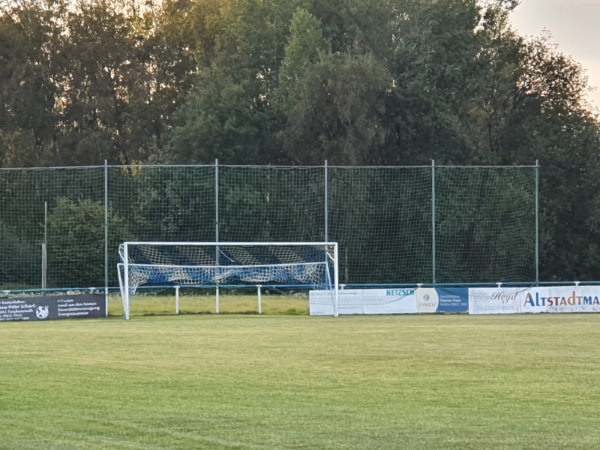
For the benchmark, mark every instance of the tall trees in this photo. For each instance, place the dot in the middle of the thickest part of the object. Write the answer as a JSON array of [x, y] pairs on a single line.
[[96, 81], [436, 67], [338, 114], [27, 93], [352, 81], [230, 110], [333, 102], [221, 121], [376, 82], [92, 81]]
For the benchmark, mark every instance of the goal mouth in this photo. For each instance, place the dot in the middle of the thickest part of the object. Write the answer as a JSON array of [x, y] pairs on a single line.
[[313, 265]]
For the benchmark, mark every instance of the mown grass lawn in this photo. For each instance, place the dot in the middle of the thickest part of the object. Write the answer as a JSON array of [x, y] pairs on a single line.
[[299, 382]]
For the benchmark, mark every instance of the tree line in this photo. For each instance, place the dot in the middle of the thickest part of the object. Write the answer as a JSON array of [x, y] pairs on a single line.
[[353, 82]]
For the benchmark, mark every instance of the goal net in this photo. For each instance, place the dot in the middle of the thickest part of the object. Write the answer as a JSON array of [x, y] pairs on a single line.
[[228, 264]]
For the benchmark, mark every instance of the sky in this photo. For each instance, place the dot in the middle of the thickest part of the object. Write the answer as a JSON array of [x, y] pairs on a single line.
[[574, 26]]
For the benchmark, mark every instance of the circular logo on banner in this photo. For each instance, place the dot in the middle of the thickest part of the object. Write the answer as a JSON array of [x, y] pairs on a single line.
[[41, 312], [427, 300]]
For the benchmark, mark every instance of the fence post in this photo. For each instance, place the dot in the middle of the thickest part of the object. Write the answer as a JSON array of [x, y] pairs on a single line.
[[106, 235], [45, 249], [326, 236], [537, 224], [217, 229], [217, 202], [433, 274]]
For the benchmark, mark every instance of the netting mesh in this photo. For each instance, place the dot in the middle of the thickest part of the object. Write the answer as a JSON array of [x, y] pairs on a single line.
[[485, 224], [482, 228], [265, 204], [162, 203], [63, 208], [196, 264], [381, 218]]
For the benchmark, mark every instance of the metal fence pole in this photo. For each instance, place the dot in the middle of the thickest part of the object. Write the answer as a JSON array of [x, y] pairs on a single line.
[[326, 236], [106, 235], [433, 274], [45, 249], [217, 228], [537, 221], [217, 201]]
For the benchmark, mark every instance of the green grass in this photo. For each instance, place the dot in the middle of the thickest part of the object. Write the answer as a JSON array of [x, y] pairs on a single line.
[[163, 303], [300, 382]]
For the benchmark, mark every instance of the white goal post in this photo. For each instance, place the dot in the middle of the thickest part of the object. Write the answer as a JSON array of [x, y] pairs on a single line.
[[228, 264]]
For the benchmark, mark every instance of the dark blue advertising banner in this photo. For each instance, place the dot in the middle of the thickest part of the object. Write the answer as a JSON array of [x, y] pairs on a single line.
[[442, 300], [453, 300], [52, 307]]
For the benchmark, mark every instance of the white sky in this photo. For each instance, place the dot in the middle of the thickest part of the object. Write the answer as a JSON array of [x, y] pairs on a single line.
[[574, 25]]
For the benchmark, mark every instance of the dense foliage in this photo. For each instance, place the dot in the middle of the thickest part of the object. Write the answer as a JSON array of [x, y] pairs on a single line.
[[356, 82]]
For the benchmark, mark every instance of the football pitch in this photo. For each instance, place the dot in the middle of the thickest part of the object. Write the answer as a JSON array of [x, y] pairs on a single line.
[[235, 381]]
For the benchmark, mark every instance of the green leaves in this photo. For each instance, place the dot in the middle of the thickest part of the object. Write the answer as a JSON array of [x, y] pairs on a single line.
[[358, 82], [338, 113], [219, 121]]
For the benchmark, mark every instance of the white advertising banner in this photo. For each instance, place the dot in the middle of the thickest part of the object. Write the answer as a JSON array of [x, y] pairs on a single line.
[[364, 301], [543, 299]]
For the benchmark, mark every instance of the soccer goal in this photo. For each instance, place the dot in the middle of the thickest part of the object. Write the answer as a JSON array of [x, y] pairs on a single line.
[[312, 265]]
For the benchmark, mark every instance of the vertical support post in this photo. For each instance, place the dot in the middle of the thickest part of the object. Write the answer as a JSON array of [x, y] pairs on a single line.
[[259, 288], [44, 266], [346, 266], [326, 180], [537, 222], [336, 267], [106, 236], [125, 292], [217, 203], [433, 231], [217, 228], [336, 280], [217, 300], [45, 249], [176, 299]]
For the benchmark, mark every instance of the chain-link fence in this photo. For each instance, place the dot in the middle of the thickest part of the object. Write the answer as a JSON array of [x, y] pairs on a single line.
[[61, 227]]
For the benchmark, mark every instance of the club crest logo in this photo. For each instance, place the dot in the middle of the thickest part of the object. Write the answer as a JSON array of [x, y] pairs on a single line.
[[41, 312]]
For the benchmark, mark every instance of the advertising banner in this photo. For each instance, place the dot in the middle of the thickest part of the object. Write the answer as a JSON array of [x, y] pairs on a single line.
[[543, 299], [52, 307], [442, 300], [364, 301]]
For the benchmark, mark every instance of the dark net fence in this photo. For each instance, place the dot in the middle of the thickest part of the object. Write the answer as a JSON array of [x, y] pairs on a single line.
[[62, 226]]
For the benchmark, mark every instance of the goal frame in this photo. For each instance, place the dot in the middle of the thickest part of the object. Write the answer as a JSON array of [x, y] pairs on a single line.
[[124, 285]]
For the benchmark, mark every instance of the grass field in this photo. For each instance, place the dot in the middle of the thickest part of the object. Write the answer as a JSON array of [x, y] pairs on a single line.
[[163, 303], [237, 381]]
